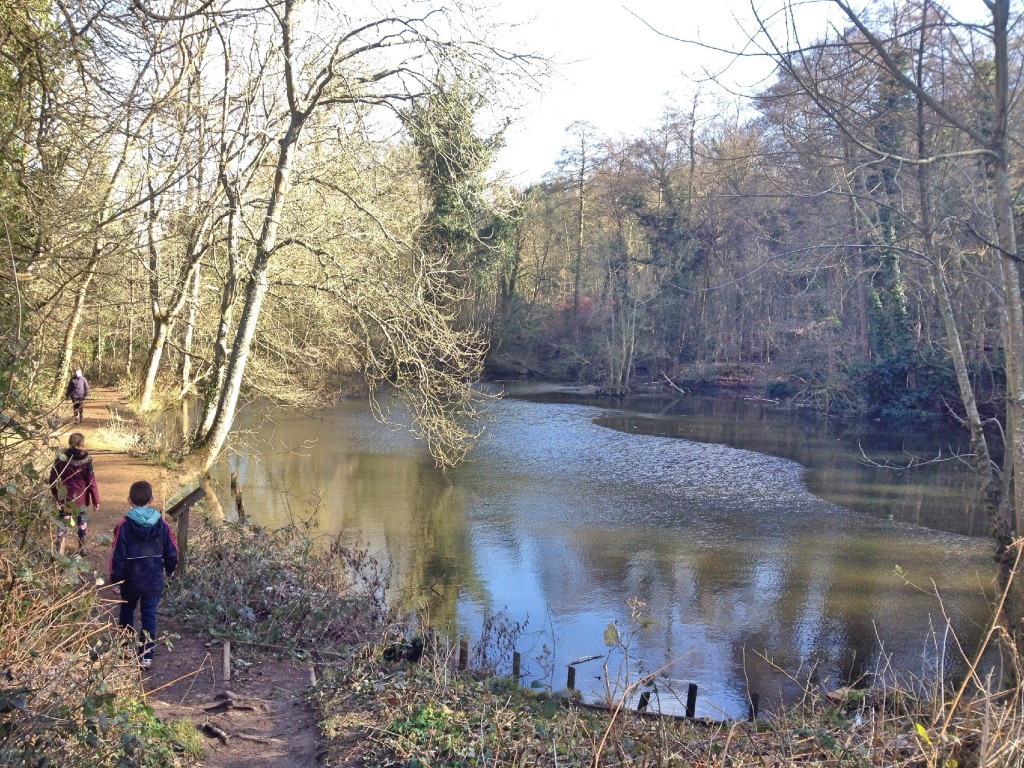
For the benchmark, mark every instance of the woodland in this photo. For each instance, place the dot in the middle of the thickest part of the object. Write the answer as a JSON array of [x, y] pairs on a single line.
[[205, 200]]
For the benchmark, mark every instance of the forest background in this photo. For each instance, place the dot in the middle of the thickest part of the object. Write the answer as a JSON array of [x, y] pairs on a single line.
[[205, 200]]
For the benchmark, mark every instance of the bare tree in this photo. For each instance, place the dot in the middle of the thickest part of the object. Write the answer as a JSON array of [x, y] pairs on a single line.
[[379, 62]]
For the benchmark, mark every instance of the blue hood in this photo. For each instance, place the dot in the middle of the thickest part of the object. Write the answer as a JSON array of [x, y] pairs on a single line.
[[144, 515]]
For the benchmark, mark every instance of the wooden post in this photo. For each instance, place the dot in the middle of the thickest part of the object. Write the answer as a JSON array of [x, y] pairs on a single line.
[[755, 701], [691, 700], [236, 491], [645, 701], [179, 510], [183, 540], [570, 681], [517, 661], [226, 662], [463, 654]]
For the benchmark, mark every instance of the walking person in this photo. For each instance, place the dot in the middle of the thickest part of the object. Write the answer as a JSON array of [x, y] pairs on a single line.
[[77, 391], [144, 550], [73, 486]]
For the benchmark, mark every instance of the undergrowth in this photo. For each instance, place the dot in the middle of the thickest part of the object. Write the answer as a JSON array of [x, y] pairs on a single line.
[[279, 588], [378, 712], [69, 695]]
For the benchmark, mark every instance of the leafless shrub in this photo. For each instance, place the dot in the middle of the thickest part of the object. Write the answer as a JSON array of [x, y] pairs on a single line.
[[69, 696], [280, 587]]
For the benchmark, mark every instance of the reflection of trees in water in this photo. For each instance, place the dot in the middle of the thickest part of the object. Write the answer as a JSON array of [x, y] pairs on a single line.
[[770, 618], [724, 583], [440, 564], [405, 509]]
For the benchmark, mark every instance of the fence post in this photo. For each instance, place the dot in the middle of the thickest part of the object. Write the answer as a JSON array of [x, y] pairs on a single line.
[[755, 701], [226, 662], [691, 700], [645, 700], [570, 681], [179, 510], [463, 654], [516, 663], [236, 491], [183, 540]]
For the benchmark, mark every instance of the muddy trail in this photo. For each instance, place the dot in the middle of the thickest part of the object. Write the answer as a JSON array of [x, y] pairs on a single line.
[[261, 716]]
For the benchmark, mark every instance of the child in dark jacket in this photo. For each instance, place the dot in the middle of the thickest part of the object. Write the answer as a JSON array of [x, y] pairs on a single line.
[[144, 550], [77, 390]]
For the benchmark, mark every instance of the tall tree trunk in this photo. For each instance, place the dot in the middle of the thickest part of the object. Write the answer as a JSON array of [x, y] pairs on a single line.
[[256, 290], [190, 327], [982, 460], [161, 328], [78, 306], [577, 270], [215, 384], [213, 441], [1006, 233]]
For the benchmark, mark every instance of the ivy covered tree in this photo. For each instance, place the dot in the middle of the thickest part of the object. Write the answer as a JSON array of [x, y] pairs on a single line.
[[453, 160]]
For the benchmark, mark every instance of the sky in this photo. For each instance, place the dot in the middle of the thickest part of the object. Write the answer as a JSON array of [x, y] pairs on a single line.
[[614, 71]]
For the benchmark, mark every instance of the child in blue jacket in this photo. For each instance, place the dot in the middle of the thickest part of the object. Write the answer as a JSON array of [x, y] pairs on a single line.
[[144, 550]]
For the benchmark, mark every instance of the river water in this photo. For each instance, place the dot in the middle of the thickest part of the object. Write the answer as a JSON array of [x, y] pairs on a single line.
[[733, 545]]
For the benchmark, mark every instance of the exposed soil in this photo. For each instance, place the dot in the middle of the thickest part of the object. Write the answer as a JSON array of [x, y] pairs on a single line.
[[262, 717]]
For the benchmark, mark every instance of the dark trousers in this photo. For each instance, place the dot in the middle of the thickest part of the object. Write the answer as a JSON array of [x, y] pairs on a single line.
[[126, 618], [72, 512], [76, 406]]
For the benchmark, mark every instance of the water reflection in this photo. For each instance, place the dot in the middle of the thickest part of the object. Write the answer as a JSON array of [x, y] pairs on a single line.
[[746, 574]]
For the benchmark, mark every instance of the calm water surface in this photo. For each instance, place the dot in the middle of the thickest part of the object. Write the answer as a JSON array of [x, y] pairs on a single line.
[[760, 543]]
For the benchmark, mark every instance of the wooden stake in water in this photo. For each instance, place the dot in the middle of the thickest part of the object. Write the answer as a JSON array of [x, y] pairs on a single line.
[[755, 701], [645, 701]]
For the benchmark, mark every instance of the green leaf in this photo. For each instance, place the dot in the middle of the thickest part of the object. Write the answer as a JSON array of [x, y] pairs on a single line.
[[923, 734], [826, 740], [611, 635]]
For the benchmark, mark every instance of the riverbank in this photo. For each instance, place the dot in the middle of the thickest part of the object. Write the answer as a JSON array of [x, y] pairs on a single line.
[[377, 707]]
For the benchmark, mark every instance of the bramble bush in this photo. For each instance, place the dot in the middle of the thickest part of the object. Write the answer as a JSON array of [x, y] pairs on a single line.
[[279, 587]]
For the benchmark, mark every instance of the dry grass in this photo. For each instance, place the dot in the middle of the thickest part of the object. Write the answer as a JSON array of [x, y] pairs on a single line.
[[69, 695], [284, 588], [430, 714]]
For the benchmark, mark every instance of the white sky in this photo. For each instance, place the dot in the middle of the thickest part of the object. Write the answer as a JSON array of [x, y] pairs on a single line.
[[616, 73], [612, 70]]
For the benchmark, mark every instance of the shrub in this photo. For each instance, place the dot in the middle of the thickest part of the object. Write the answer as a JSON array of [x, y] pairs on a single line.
[[69, 695], [279, 587]]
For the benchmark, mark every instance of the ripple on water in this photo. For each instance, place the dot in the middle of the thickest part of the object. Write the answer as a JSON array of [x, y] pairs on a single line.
[[574, 468]]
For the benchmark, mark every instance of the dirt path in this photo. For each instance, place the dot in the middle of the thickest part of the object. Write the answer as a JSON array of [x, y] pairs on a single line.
[[263, 713]]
